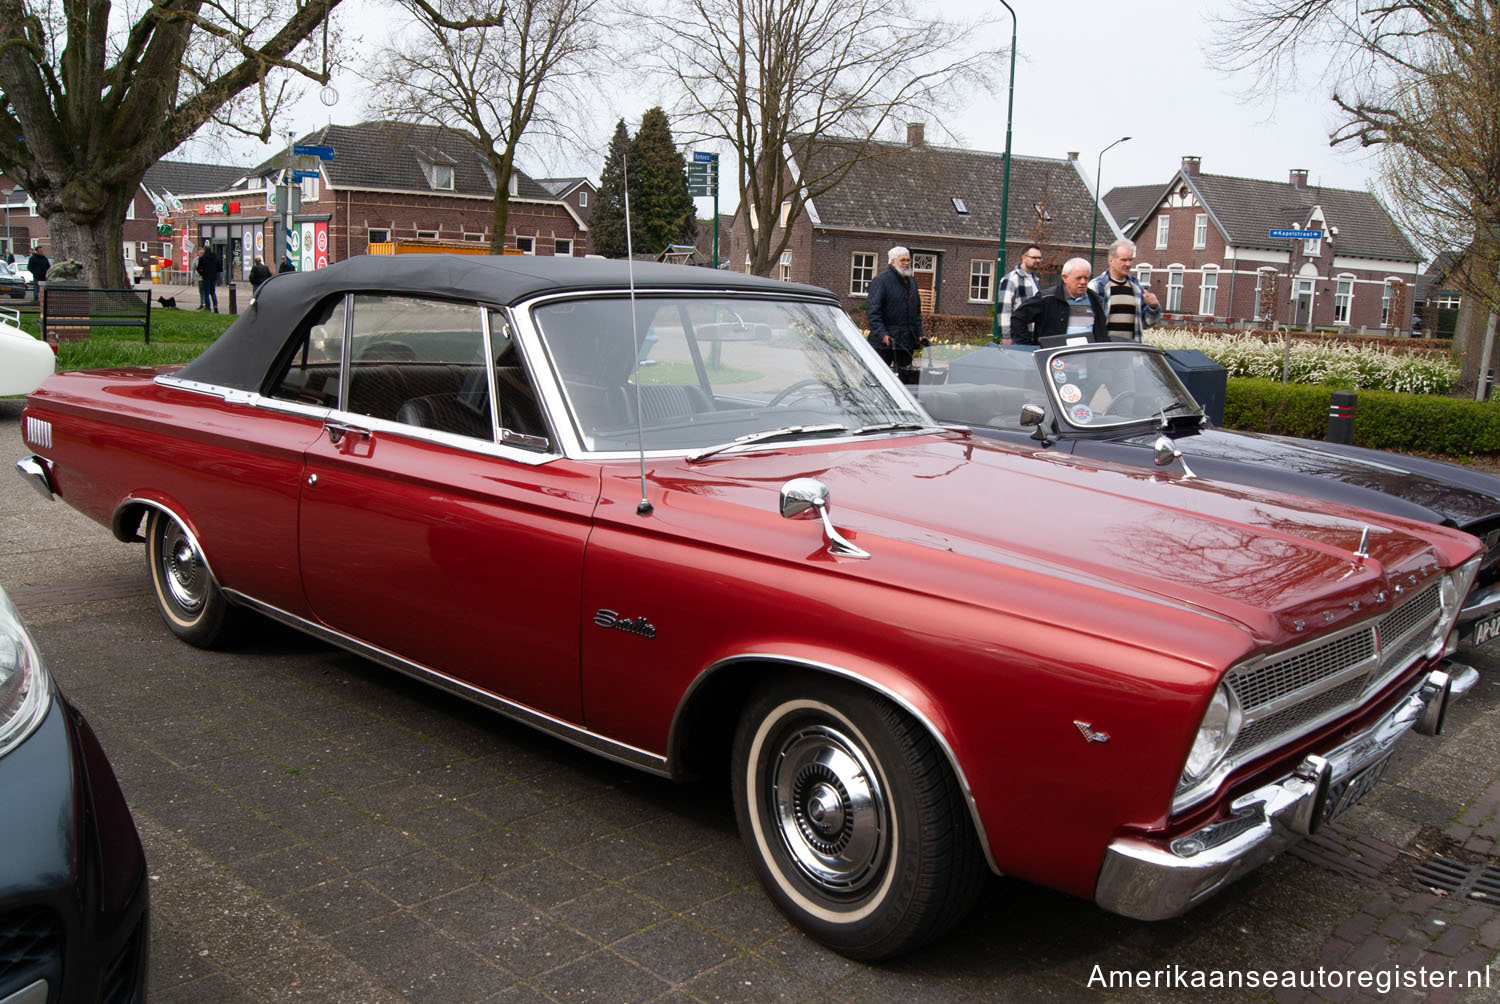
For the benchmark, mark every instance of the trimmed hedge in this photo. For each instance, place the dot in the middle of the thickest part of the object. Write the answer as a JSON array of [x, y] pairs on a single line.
[[1383, 420]]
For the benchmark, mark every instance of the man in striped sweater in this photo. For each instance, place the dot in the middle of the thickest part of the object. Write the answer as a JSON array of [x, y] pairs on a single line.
[[1131, 307]]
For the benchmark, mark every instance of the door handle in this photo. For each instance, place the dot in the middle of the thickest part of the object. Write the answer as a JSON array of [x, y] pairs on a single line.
[[338, 430]]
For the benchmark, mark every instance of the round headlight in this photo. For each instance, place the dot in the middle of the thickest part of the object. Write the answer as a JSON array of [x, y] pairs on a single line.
[[25, 689], [1221, 723]]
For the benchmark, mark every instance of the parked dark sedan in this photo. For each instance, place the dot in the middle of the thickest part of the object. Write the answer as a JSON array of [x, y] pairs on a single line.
[[73, 893], [1122, 402]]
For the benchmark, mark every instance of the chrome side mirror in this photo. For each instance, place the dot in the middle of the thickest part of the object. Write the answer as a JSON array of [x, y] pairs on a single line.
[[1164, 451], [807, 498], [1031, 415]]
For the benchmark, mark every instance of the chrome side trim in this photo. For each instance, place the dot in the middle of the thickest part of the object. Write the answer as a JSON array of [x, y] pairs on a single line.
[[34, 470], [1478, 604], [1155, 879], [556, 727], [675, 732]]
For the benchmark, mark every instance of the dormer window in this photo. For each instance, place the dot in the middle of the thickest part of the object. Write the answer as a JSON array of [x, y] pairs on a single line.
[[441, 177]]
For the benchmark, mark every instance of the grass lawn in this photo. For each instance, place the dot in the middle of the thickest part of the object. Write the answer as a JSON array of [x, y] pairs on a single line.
[[177, 336]]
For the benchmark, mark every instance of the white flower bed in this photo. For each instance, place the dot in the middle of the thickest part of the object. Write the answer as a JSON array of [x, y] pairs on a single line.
[[1376, 367]]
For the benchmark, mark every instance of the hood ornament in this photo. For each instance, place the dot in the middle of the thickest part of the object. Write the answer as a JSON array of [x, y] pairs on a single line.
[[1363, 550]]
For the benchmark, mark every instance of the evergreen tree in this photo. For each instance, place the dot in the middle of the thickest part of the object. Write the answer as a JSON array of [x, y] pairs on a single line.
[[607, 222], [661, 210]]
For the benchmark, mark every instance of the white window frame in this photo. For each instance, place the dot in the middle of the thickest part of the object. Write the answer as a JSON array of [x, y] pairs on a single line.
[[1174, 289], [378, 235], [784, 269], [981, 274], [427, 235], [1208, 291], [562, 246], [526, 244], [1312, 247], [310, 189], [1260, 279], [1143, 275], [1387, 294], [472, 238], [786, 213], [861, 273], [1200, 231], [129, 252], [583, 199], [1343, 298], [1163, 230], [439, 174], [754, 225]]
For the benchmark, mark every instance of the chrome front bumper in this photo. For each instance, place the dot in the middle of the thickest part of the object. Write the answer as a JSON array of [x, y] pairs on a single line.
[[1154, 880]]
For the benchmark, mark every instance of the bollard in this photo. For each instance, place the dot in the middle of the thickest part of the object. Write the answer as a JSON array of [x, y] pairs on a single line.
[[234, 306], [1341, 417]]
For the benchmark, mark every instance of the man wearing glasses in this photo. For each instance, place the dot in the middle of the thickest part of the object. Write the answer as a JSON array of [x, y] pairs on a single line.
[[1019, 285]]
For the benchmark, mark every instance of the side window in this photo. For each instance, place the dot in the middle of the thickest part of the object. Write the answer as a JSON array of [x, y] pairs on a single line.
[[310, 374], [521, 422], [419, 362]]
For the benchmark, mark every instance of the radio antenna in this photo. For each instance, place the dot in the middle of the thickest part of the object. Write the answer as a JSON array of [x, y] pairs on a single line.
[[643, 507]]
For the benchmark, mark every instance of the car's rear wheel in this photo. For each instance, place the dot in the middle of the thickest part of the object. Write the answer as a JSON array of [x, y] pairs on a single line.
[[854, 822], [189, 599]]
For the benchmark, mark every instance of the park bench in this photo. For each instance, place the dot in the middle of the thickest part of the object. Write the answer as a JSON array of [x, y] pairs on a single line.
[[69, 311]]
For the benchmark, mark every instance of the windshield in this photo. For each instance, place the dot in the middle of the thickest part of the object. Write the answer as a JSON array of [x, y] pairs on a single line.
[[712, 370], [1098, 389]]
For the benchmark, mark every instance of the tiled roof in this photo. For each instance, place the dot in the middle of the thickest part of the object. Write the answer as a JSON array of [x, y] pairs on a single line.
[[1246, 209], [1129, 203], [905, 189], [390, 156], [185, 178]]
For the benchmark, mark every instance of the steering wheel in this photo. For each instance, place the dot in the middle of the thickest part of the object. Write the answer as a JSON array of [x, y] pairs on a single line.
[[1124, 395], [786, 392]]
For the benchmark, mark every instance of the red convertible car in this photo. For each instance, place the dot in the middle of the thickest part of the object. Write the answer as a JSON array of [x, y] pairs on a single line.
[[687, 520]]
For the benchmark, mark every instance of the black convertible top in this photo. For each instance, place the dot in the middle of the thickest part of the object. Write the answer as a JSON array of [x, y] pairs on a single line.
[[241, 356]]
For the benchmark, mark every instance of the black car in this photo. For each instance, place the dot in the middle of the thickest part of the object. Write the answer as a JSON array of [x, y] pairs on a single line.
[[1123, 402], [14, 284], [73, 883]]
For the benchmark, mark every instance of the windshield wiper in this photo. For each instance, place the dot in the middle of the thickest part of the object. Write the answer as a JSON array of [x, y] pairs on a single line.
[[785, 432], [865, 430]]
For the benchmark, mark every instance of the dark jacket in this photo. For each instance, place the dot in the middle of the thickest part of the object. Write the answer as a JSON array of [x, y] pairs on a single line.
[[259, 273], [1047, 314], [894, 308], [209, 266], [287, 266], [37, 265]]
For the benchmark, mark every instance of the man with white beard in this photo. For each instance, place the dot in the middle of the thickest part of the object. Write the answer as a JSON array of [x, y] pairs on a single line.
[[894, 311]]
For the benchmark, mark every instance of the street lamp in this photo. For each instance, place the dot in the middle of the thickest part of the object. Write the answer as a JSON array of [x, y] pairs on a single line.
[[8, 193], [1010, 104], [1098, 169]]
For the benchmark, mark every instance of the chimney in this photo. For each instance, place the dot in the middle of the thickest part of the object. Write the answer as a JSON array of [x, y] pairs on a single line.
[[1190, 165], [915, 134], [1298, 179], [1072, 154]]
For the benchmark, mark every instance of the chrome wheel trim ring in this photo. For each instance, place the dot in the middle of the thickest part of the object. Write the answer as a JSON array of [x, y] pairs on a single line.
[[182, 567], [830, 813]]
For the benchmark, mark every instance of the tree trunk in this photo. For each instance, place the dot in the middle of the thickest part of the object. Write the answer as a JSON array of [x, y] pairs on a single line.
[[95, 240]]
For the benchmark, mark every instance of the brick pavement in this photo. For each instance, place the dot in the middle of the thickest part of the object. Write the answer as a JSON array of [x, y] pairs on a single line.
[[321, 829]]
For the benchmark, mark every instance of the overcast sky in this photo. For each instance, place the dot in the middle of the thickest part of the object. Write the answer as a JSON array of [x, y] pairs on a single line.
[[1084, 79]]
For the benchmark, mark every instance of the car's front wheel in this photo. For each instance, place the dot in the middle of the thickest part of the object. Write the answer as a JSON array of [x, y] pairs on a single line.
[[189, 599], [854, 822]]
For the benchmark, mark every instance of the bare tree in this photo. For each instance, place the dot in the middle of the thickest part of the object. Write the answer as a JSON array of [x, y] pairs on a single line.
[[493, 69], [761, 74], [91, 98], [1418, 79]]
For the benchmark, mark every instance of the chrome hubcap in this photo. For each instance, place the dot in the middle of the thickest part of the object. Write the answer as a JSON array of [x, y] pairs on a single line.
[[830, 811], [182, 568]]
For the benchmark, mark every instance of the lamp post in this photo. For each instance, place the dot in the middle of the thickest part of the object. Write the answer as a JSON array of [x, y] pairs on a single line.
[[1098, 171], [9, 248], [1010, 104]]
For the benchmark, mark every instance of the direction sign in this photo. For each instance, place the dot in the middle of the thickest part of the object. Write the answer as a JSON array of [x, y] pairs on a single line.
[[704, 158], [702, 178], [303, 175], [1306, 235], [320, 152]]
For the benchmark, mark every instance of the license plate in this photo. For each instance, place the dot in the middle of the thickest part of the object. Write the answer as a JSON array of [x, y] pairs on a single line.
[[1350, 790], [1486, 630]]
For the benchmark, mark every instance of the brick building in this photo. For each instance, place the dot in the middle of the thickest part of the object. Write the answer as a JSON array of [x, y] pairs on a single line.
[[942, 203], [387, 181], [1204, 244]]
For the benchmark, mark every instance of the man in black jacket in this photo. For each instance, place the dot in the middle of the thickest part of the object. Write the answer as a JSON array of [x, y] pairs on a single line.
[[894, 311], [209, 267], [1069, 308]]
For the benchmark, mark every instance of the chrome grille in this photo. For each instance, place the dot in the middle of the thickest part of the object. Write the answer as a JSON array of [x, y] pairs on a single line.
[[1277, 678], [1284, 696]]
